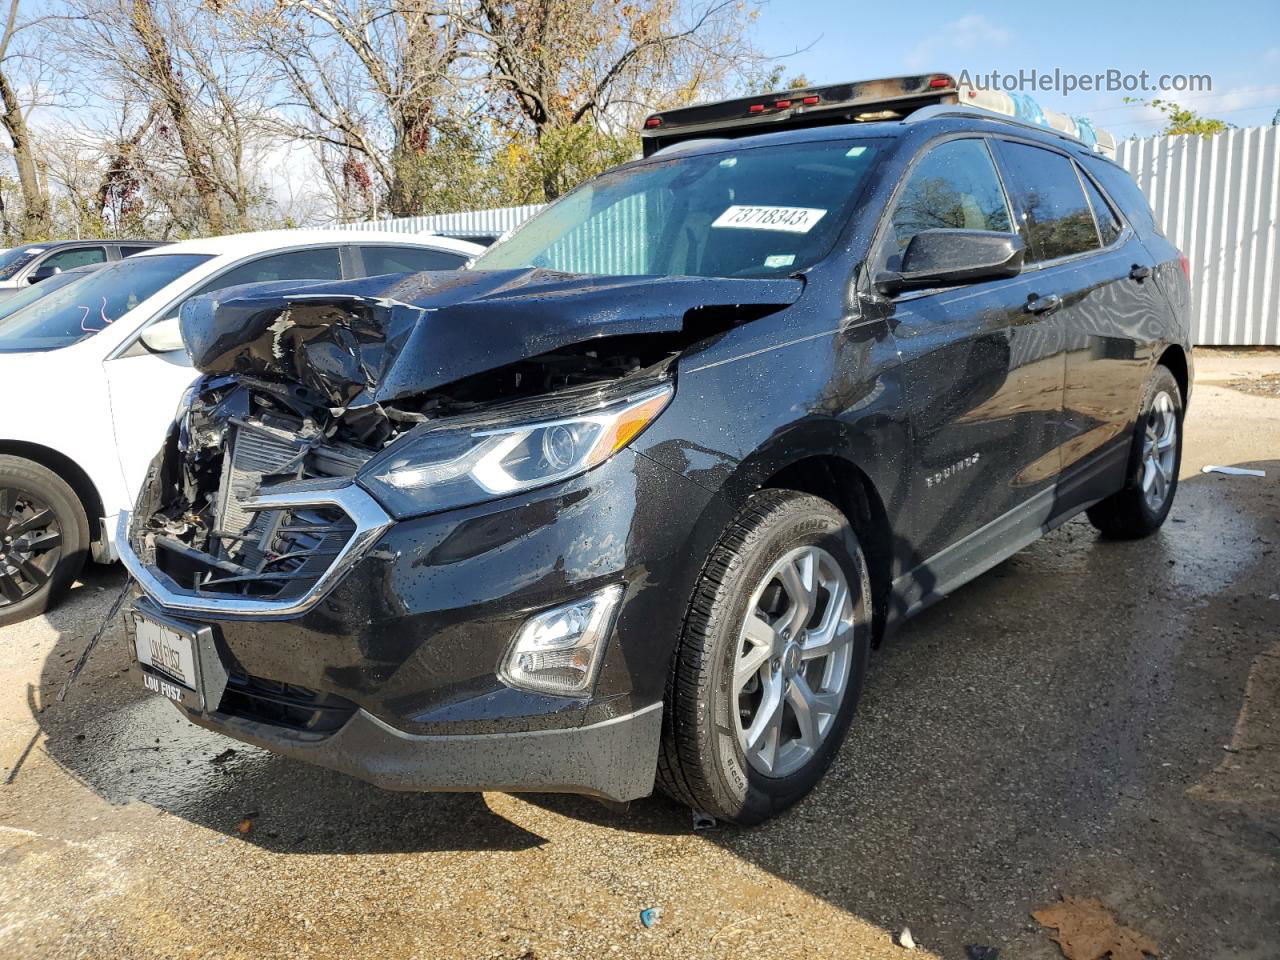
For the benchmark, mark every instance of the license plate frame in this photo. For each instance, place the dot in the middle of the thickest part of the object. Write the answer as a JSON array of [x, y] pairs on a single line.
[[178, 660]]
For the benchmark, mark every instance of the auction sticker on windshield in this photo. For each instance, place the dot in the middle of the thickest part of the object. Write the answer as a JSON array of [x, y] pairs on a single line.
[[786, 219]]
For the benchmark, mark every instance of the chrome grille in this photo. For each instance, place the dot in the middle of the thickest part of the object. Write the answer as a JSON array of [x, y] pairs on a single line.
[[278, 535]]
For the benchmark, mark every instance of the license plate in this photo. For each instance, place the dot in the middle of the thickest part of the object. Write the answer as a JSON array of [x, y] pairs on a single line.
[[170, 656]]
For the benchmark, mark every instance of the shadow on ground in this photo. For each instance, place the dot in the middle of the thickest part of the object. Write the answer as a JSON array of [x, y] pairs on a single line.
[[1059, 726]]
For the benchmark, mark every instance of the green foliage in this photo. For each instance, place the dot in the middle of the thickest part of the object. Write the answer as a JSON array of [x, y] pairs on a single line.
[[770, 79], [535, 171], [1183, 120]]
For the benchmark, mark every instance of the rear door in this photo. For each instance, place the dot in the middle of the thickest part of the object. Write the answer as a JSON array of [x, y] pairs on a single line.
[[1084, 254], [984, 373], [146, 386]]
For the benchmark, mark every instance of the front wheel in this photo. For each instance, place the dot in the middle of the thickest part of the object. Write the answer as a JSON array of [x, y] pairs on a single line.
[[1139, 509], [44, 536], [771, 660]]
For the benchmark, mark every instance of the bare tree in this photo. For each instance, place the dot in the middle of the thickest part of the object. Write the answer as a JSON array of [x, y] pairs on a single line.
[[408, 106], [205, 95], [556, 65], [35, 201], [371, 84]]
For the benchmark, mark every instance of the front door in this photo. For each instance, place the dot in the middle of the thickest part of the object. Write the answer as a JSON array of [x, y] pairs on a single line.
[[983, 363]]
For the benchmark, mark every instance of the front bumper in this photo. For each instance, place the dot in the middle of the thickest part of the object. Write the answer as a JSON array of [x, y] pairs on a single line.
[[409, 640], [609, 759]]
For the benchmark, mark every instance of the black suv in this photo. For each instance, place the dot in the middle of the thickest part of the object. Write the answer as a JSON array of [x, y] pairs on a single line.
[[633, 497]]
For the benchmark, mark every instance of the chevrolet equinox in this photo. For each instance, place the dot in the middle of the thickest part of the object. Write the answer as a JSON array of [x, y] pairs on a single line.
[[628, 502]]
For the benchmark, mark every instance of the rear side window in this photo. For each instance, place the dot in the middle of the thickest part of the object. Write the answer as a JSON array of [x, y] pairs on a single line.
[[76, 257], [1108, 223], [321, 263], [130, 251], [953, 186], [380, 260], [1047, 190], [1121, 188]]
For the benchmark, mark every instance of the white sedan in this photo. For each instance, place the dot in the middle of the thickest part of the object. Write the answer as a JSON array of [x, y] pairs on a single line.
[[90, 376]]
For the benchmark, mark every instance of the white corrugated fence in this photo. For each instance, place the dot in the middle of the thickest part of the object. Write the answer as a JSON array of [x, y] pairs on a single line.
[[1217, 199]]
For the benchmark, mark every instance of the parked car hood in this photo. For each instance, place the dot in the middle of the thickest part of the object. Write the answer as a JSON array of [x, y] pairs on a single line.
[[386, 338]]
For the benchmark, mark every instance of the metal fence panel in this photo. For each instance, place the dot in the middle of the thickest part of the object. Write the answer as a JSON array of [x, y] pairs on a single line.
[[1218, 200], [471, 223]]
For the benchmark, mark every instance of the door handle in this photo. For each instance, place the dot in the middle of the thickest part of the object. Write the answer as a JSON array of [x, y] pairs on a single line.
[[1037, 304], [1139, 272]]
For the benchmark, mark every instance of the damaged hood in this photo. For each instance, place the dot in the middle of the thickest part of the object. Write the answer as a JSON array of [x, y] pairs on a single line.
[[381, 339]]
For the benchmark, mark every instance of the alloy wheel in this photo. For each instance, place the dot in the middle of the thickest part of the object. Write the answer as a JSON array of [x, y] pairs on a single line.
[[30, 545], [792, 666], [1159, 451]]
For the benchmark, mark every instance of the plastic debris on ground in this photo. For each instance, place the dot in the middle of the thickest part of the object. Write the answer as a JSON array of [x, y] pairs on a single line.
[[649, 917], [703, 821], [905, 940], [1233, 471]]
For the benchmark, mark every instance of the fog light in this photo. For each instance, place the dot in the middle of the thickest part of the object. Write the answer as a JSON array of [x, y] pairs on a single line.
[[559, 650]]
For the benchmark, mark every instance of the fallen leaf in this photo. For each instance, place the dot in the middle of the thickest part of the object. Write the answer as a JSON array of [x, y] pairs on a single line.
[[1087, 930], [246, 825]]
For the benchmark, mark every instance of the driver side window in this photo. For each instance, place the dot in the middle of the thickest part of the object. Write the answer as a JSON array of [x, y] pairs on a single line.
[[954, 186]]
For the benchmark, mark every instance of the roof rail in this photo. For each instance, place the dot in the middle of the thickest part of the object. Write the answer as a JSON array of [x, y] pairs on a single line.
[[1025, 112]]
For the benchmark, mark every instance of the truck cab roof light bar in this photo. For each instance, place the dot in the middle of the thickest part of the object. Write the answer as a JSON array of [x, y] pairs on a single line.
[[887, 98], [912, 98]]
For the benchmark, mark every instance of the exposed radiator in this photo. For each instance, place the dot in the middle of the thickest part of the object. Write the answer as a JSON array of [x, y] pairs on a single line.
[[256, 451]]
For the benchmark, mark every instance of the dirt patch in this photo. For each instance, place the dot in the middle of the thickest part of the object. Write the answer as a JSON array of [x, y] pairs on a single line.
[[1262, 385]]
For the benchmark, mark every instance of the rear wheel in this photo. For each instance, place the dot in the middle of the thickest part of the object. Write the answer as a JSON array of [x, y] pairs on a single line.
[[44, 536], [771, 660], [1140, 508]]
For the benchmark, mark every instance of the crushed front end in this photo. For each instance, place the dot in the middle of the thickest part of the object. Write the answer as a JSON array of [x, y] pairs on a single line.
[[427, 577]]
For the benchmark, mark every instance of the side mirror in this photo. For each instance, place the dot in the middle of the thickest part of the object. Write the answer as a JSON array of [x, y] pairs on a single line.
[[43, 272], [163, 336], [942, 258]]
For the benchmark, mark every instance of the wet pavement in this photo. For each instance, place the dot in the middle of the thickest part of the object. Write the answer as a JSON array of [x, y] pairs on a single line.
[[1090, 719]]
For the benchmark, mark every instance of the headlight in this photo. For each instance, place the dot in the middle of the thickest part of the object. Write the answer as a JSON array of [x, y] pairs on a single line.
[[453, 465]]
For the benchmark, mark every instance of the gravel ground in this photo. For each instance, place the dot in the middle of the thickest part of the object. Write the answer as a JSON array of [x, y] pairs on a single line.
[[1088, 719]]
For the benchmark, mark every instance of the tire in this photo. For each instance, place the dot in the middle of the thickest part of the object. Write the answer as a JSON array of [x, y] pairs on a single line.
[[1140, 507], [44, 538], [703, 761]]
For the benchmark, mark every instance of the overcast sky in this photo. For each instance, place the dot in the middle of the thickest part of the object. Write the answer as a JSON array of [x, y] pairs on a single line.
[[1236, 43]]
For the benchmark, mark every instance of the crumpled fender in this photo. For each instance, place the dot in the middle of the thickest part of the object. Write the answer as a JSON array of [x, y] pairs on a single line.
[[371, 341]]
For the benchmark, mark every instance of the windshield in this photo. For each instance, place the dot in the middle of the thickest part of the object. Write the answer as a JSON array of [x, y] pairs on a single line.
[[752, 212], [11, 261], [81, 309], [21, 299]]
